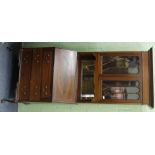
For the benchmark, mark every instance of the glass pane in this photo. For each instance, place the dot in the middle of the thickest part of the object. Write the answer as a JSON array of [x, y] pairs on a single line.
[[87, 77], [123, 90], [120, 65]]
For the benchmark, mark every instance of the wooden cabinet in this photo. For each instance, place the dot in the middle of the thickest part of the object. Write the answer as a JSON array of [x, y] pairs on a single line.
[[59, 75]]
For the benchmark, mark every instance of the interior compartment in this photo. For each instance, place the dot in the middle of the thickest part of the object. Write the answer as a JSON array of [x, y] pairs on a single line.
[[86, 76]]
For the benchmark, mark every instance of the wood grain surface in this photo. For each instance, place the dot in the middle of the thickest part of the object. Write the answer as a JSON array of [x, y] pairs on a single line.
[[65, 76]]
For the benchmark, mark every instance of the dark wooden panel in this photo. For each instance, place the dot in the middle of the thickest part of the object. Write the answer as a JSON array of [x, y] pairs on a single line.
[[35, 83], [47, 74], [23, 91], [65, 76], [151, 84]]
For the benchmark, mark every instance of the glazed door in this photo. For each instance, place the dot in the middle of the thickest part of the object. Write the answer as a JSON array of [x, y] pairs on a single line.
[[65, 76]]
